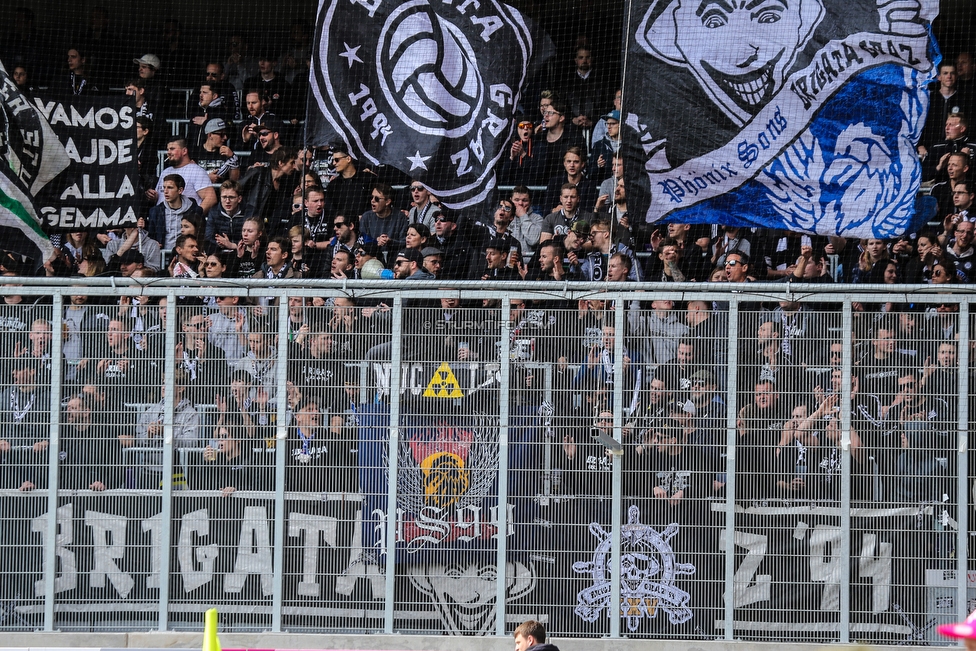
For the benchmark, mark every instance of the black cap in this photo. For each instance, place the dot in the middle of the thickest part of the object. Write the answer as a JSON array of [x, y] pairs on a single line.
[[370, 248], [498, 244], [132, 256], [411, 255], [270, 123]]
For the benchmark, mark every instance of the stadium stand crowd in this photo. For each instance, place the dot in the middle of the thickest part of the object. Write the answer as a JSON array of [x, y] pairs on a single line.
[[238, 198]]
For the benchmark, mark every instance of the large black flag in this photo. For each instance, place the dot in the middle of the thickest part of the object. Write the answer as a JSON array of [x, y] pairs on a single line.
[[426, 87], [30, 158], [802, 115]]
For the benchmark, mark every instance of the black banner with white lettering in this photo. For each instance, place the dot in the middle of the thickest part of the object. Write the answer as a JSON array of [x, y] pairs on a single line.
[[99, 188], [788, 567]]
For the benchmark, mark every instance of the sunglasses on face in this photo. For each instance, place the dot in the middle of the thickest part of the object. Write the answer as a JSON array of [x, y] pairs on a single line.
[[733, 263], [417, 188]]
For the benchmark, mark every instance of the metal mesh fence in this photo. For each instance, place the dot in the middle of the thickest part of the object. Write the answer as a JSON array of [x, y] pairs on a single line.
[[762, 466]]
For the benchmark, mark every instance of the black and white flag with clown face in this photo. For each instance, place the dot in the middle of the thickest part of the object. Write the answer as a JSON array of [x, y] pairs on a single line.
[[428, 87], [795, 114]]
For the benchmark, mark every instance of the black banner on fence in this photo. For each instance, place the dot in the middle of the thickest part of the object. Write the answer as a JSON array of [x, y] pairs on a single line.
[[787, 574], [99, 189]]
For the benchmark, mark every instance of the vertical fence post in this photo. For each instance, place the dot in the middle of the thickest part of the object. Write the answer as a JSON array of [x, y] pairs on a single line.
[[847, 363], [616, 489], [505, 363], [165, 534], [53, 454], [731, 388], [281, 450], [962, 475], [391, 487]]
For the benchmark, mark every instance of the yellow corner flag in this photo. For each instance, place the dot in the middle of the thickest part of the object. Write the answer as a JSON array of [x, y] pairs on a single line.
[[210, 641]]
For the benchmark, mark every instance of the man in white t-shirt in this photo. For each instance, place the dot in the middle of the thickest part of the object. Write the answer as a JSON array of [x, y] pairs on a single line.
[[198, 184]]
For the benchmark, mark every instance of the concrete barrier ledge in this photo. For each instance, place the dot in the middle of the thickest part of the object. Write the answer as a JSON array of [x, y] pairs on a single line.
[[152, 641]]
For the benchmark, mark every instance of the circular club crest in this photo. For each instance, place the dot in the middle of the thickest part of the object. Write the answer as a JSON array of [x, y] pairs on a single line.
[[426, 86], [428, 72]]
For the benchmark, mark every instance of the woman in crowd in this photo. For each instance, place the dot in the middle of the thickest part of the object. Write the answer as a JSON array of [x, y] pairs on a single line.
[[77, 247], [417, 236], [873, 251]]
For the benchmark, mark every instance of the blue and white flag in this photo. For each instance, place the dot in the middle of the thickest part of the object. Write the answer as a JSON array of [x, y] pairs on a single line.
[[427, 87], [31, 156], [794, 114]]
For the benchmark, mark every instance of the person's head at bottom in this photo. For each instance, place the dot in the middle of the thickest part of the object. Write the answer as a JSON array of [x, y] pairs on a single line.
[[528, 635], [964, 630]]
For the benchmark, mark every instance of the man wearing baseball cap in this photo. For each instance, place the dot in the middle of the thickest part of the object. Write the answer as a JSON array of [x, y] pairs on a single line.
[[409, 265], [603, 150], [149, 65], [269, 141], [215, 155]]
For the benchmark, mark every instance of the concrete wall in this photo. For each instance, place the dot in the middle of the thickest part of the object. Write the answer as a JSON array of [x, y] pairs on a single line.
[[265, 641]]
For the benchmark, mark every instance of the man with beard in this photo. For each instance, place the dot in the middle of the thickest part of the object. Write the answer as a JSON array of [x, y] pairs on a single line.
[[316, 368], [459, 259], [596, 262], [548, 263], [760, 427], [198, 185], [319, 457], [90, 456], [212, 106], [678, 373], [204, 364], [25, 410]]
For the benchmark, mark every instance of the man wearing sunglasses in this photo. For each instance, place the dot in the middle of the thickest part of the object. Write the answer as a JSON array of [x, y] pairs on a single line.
[[388, 227], [459, 260], [215, 156], [423, 210], [348, 192], [269, 141], [498, 232], [737, 266]]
